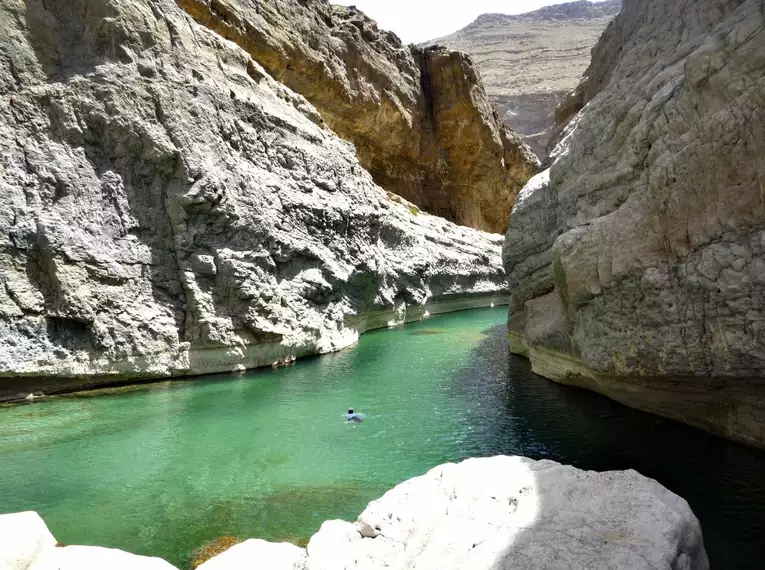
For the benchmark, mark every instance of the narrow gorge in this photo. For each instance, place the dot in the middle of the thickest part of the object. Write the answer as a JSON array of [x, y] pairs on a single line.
[[198, 196], [530, 62]]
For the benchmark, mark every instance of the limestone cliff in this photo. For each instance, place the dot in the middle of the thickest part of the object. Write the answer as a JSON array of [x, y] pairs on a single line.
[[637, 262], [529, 62], [419, 117], [167, 208]]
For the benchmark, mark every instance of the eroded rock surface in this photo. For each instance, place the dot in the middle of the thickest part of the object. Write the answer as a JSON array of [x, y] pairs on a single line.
[[419, 117], [637, 263], [529, 62], [167, 208]]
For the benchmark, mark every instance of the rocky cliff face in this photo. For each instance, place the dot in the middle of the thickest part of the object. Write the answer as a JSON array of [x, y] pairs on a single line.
[[419, 118], [168, 209], [528, 62], [637, 262]]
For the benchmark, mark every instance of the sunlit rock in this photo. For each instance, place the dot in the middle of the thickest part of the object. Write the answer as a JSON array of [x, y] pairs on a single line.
[[96, 558], [167, 208], [419, 118], [257, 553], [513, 512], [23, 538]]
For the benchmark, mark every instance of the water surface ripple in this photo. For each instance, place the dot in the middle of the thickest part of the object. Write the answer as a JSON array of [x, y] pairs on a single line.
[[165, 468]]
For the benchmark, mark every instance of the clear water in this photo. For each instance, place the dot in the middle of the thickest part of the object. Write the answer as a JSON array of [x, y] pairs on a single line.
[[166, 468]]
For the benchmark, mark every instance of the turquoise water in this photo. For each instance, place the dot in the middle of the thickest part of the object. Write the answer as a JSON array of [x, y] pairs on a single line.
[[166, 468]]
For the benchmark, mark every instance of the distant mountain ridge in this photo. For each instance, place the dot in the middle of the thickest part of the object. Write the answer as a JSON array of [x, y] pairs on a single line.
[[582, 10], [529, 61]]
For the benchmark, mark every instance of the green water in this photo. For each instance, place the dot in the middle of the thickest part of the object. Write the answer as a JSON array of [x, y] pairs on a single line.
[[164, 469]]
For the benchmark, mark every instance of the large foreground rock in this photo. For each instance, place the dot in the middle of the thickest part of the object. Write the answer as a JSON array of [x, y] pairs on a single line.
[[256, 554], [23, 538], [496, 513], [516, 513], [167, 208], [419, 117], [96, 558], [637, 263]]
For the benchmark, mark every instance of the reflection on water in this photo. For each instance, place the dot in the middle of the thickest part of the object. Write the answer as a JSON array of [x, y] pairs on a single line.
[[525, 414], [169, 468]]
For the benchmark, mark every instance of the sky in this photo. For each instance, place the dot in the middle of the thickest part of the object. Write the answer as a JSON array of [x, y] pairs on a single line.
[[417, 21]]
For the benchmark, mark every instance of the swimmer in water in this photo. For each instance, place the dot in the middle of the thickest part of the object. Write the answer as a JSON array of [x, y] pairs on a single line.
[[352, 416]]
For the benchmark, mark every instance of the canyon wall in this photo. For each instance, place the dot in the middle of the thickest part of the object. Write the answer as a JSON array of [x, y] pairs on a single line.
[[419, 117], [637, 261], [167, 208], [529, 62]]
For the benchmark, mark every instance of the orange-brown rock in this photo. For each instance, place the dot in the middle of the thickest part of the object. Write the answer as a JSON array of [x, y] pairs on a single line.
[[419, 117], [214, 548]]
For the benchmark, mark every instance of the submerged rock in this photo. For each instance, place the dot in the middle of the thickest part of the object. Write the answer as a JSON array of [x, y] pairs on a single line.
[[637, 262], [213, 548], [167, 208], [419, 117], [23, 538]]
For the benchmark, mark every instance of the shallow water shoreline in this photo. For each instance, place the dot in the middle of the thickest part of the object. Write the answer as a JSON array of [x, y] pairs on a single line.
[[206, 361]]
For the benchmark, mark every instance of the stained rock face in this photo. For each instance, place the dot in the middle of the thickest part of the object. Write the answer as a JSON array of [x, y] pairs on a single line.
[[167, 208], [419, 117], [637, 262], [529, 62]]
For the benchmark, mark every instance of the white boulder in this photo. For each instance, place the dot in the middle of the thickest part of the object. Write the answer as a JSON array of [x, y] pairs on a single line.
[[256, 554], [497, 513], [96, 558], [516, 513], [23, 537]]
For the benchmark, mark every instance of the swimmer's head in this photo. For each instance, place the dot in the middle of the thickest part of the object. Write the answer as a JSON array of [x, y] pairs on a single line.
[[350, 410]]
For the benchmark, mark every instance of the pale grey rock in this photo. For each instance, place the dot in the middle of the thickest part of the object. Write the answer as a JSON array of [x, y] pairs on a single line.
[[23, 538], [256, 554], [635, 263], [169, 209], [515, 513], [96, 558], [490, 513]]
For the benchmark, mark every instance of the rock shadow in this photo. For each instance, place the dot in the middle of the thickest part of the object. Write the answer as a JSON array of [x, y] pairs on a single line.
[[531, 416]]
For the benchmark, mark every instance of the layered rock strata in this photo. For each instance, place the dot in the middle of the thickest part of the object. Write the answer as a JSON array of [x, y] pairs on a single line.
[[529, 62], [419, 117], [170, 209], [637, 262], [488, 513]]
